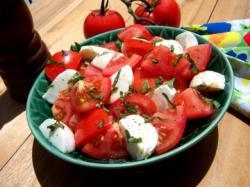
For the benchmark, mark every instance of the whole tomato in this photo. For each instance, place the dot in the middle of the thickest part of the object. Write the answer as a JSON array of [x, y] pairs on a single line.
[[102, 20], [160, 12]]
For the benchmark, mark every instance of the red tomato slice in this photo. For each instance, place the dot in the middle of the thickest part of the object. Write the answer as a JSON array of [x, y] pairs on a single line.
[[75, 119], [90, 71], [143, 103], [135, 31], [136, 46], [201, 55], [60, 61], [62, 110], [95, 124], [170, 128], [117, 63], [111, 45], [196, 106], [161, 61], [87, 93], [111, 145], [140, 79]]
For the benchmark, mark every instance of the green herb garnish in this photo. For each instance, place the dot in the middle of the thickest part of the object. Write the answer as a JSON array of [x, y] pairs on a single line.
[[101, 124], [216, 104], [172, 48], [55, 125], [177, 60], [132, 139], [168, 100], [156, 41], [102, 105], [52, 61], [151, 119], [118, 43], [159, 81], [146, 87], [155, 61], [64, 53], [194, 68], [75, 78], [114, 87], [94, 96], [75, 47], [170, 83]]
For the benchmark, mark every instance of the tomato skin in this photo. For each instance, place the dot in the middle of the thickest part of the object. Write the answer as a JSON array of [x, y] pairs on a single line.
[[81, 99], [143, 102], [62, 110], [196, 107], [134, 31], [95, 23], [136, 46], [89, 127], [201, 55], [64, 60], [171, 130], [111, 145], [180, 84], [111, 45], [166, 12]]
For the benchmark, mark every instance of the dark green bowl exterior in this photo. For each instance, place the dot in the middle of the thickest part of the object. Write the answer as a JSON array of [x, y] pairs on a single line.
[[38, 109]]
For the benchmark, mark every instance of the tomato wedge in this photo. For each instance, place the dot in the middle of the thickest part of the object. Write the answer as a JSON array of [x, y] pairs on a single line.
[[95, 124], [161, 61], [135, 31], [117, 63], [60, 61], [87, 93], [201, 55], [170, 128], [111, 145], [136, 46], [196, 106]]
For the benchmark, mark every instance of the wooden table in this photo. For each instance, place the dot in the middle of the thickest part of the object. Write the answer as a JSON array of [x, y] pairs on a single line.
[[221, 159]]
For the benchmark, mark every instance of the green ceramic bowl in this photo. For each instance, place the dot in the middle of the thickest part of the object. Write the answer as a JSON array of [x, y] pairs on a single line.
[[38, 109]]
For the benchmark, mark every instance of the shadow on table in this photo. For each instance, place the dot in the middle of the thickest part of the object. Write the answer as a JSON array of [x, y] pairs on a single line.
[[186, 169], [9, 108]]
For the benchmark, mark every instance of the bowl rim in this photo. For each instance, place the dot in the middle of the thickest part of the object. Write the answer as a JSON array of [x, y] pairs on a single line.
[[151, 160]]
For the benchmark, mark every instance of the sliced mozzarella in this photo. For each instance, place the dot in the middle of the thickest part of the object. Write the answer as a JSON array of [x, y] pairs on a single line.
[[89, 52], [61, 137], [101, 61], [158, 98], [135, 127], [177, 48], [59, 84], [208, 81], [187, 39], [123, 81]]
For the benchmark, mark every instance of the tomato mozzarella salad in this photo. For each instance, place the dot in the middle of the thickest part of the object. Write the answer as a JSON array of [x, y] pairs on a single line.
[[129, 98]]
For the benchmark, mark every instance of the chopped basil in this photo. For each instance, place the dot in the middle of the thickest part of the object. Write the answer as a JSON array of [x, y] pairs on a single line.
[[75, 47], [146, 87], [156, 41], [178, 59], [55, 125], [94, 96], [141, 37], [172, 48], [194, 68], [155, 61], [118, 43], [101, 124], [75, 78], [159, 81], [114, 88], [131, 109], [170, 83], [151, 119], [102, 105], [64, 53], [52, 61], [132, 139], [168, 100]]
